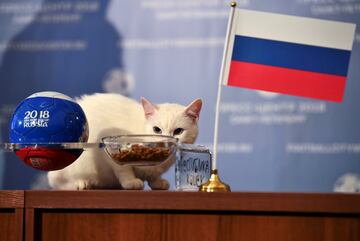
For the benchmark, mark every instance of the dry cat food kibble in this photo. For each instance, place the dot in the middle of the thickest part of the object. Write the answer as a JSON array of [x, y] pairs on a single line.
[[139, 153]]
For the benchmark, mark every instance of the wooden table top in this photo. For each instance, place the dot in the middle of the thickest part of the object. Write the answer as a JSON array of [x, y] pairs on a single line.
[[176, 200]]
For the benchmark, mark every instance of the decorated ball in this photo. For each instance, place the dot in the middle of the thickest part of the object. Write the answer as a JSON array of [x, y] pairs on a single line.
[[48, 118]]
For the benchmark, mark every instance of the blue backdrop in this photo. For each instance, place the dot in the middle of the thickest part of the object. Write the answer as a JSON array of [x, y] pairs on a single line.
[[170, 51]]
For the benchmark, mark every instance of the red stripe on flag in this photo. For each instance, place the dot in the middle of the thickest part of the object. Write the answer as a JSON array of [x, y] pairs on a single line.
[[287, 81]]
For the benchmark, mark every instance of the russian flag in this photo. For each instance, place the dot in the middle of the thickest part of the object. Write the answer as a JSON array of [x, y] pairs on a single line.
[[288, 54]]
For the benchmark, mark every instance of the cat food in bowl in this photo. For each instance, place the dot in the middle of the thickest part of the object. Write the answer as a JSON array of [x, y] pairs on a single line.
[[140, 150]]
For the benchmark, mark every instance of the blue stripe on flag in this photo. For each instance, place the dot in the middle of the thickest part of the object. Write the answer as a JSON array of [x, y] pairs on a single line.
[[291, 55]]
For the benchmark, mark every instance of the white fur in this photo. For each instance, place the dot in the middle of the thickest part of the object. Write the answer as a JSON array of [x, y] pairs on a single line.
[[112, 114]]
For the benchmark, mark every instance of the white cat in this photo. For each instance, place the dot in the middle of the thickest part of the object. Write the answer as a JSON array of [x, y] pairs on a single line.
[[112, 114]]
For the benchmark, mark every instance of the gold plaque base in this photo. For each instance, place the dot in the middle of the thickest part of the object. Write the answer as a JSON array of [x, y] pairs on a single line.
[[214, 184]]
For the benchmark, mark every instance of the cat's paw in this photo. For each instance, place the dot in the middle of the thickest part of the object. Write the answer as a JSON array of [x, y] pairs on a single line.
[[84, 184], [133, 184], [159, 184]]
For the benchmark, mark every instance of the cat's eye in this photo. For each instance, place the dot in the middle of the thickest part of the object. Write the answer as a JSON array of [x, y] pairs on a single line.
[[178, 131], [157, 130]]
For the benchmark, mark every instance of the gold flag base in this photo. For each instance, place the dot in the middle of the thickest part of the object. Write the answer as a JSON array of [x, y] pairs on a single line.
[[214, 184]]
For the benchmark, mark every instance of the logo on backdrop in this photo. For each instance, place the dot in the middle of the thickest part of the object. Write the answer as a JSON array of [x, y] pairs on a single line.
[[267, 94], [118, 81], [349, 182]]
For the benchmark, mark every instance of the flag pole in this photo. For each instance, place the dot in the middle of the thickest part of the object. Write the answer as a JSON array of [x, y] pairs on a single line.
[[214, 184]]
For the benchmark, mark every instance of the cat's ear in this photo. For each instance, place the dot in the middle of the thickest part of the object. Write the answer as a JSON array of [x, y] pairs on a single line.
[[193, 109], [149, 108]]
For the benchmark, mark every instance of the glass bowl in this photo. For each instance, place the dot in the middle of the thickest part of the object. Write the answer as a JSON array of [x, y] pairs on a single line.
[[140, 150]]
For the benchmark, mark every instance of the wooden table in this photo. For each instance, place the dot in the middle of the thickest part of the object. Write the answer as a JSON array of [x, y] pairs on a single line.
[[11, 215], [162, 215]]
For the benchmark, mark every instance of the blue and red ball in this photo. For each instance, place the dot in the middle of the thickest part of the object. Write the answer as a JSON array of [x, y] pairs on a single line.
[[47, 119]]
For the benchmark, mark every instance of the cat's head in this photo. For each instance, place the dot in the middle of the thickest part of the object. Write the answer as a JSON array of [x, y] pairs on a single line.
[[172, 119]]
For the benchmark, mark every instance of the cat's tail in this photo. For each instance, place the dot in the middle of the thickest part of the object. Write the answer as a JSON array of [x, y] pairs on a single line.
[[40, 182]]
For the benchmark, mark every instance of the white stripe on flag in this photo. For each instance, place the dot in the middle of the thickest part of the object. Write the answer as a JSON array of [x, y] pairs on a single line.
[[294, 29]]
